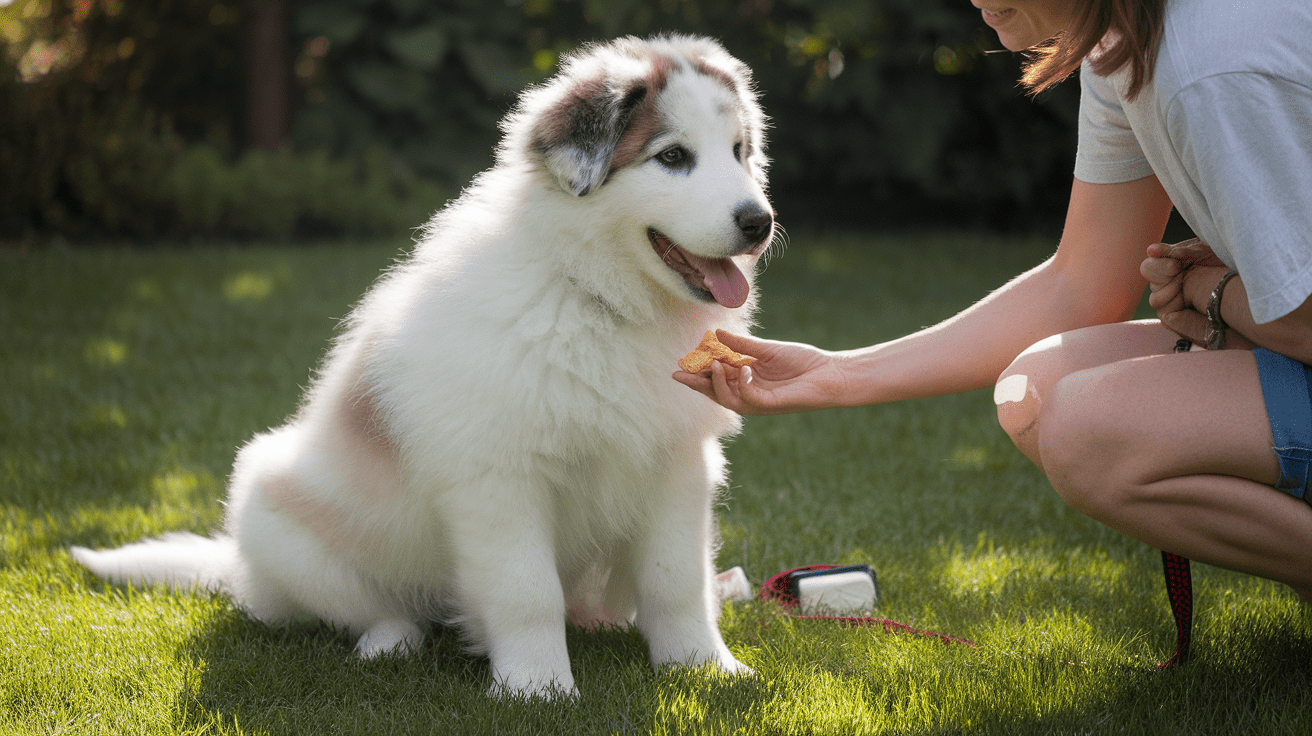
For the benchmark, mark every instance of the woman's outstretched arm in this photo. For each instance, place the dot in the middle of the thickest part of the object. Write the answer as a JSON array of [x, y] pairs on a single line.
[[1092, 279]]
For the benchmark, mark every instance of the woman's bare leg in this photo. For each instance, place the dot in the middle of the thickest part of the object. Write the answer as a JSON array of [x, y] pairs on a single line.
[[1174, 450]]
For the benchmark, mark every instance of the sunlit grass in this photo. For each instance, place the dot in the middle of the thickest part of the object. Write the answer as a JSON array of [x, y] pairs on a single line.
[[130, 377]]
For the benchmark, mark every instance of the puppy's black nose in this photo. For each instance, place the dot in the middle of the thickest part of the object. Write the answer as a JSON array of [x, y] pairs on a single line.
[[753, 222]]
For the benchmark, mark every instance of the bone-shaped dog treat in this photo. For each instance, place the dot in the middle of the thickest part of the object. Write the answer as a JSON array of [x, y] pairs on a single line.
[[709, 350]]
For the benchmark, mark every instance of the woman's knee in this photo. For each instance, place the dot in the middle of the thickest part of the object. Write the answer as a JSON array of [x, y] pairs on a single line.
[[1086, 454], [1066, 446], [1019, 405], [1020, 393], [1026, 390], [1053, 417]]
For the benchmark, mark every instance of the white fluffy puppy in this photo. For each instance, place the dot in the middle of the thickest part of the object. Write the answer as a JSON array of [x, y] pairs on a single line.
[[495, 440]]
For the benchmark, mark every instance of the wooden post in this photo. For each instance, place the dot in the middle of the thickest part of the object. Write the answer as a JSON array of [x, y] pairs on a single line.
[[268, 74]]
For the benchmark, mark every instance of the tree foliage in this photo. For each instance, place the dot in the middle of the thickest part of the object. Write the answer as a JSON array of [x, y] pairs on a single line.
[[109, 108]]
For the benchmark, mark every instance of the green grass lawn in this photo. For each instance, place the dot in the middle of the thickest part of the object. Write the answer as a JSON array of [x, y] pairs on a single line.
[[129, 377]]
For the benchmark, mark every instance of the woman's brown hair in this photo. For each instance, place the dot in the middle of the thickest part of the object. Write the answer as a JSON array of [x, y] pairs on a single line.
[[1112, 33]]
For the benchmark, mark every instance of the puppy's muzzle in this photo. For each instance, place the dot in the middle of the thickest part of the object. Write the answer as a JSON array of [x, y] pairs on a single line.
[[755, 227]]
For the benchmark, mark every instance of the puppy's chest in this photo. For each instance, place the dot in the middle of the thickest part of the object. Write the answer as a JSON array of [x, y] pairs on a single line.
[[590, 376], [609, 410], [605, 499]]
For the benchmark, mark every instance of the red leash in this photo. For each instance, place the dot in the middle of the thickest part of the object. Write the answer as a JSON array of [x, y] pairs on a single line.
[[776, 589], [1180, 591], [1179, 583]]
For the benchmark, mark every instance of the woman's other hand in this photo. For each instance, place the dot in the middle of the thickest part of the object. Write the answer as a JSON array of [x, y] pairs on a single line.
[[1165, 269]]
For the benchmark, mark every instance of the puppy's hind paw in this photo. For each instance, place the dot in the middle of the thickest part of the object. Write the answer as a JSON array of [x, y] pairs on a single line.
[[398, 637]]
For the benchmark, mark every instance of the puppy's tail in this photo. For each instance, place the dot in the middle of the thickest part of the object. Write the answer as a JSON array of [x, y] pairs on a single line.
[[179, 559]]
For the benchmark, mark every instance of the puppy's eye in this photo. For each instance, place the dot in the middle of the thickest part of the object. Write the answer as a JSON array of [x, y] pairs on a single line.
[[738, 151], [673, 157]]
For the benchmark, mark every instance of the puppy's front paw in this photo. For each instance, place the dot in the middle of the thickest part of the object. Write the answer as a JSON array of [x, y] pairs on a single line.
[[720, 658], [734, 667], [559, 688]]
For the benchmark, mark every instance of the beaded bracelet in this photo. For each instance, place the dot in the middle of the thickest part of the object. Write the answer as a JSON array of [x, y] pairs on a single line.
[[1216, 327]]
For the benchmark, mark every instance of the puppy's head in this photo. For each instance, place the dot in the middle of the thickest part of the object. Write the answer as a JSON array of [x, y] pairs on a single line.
[[669, 133]]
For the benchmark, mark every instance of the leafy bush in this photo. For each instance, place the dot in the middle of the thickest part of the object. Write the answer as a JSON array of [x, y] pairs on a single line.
[[136, 178], [281, 193], [890, 101], [118, 118]]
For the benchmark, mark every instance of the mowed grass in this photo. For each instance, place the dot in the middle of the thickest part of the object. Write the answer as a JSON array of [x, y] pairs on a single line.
[[129, 377]]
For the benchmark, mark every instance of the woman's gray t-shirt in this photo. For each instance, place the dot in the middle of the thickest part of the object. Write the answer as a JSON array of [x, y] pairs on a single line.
[[1226, 125]]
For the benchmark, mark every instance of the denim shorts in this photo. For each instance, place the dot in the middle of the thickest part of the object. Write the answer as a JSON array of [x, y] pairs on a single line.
[[1287, 390]]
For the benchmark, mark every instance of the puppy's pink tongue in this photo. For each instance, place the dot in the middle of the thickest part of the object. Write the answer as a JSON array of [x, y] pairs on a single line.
[[723, 279]]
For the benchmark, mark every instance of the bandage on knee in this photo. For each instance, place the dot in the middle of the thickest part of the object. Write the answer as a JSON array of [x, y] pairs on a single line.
[[1018, 403]]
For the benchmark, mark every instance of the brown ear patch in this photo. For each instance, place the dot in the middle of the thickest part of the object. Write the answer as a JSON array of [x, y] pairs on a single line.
[[706, 68], [604, 119], [643, 122], [709, 350]]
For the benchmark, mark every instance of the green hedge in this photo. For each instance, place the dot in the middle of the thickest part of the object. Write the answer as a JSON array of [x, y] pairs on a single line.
[[883, 111]]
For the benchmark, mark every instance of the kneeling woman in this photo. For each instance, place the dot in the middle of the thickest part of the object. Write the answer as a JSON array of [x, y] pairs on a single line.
[[1204, 105]]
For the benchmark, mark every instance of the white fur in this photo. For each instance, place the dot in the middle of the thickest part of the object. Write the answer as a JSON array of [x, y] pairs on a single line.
[[495, 439]]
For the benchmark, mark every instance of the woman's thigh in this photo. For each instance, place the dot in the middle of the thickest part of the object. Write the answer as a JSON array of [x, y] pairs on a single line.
[[1025, 388], [1172, 449], [1132, 423], [1115, 400]]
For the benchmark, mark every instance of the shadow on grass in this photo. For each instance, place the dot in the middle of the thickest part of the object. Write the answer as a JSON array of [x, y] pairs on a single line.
[[1257, 685], [307, 680]]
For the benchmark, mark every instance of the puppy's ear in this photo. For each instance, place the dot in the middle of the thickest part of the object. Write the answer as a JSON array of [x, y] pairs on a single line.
[[576, 137]]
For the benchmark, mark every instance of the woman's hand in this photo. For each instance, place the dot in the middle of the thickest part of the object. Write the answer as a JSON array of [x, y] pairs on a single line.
[[1165, 269], [786, 377], [1174, 272]]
